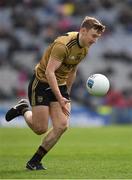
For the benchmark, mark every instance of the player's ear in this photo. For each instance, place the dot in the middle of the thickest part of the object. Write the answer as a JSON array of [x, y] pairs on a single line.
[[83, 30]]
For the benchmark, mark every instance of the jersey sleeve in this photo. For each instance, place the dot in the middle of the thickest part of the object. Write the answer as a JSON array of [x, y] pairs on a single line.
[[58, 52]]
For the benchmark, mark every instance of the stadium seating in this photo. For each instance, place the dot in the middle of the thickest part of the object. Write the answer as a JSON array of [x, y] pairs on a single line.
[[23, 39]]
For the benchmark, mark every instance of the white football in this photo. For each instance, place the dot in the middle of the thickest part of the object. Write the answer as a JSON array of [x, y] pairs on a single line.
[[98, 85]]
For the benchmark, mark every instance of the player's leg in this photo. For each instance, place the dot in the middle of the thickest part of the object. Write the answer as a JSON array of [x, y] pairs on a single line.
[[60, 124], [37, 119]]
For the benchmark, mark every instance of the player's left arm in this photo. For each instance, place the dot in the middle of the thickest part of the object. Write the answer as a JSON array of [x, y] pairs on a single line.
[[71, 79]]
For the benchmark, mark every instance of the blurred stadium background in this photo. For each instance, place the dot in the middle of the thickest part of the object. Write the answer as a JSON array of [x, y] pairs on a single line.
[[28, 26]]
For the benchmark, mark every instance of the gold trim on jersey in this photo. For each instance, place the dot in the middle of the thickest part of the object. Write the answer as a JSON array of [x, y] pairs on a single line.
[[34, 85], [71, 43]]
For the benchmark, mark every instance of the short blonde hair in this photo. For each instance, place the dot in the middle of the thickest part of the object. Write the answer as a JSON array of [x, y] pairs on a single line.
[[91, 22]]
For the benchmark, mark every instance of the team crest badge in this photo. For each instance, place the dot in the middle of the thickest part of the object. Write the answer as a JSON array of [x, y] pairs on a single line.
[[39, 99]]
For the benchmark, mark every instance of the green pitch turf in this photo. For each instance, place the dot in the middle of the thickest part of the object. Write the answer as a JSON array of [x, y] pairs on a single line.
[[82, 153]]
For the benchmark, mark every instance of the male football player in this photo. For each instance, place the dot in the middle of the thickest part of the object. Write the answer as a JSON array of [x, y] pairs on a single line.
[[50, 86]]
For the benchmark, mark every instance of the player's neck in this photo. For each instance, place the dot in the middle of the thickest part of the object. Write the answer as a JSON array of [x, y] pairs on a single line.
[[80, 44], [80, 41]]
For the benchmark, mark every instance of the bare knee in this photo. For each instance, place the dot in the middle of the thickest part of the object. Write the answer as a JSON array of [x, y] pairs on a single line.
[[40, 130], [61, 128]]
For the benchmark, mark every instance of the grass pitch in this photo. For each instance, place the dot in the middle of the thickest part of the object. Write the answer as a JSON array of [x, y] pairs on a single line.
[[82, 153]]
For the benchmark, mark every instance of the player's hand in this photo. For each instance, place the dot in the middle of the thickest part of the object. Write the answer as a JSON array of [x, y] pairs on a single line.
[[63, 102]]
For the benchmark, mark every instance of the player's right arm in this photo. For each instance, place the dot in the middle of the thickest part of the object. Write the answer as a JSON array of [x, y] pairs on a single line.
[[55, 61]]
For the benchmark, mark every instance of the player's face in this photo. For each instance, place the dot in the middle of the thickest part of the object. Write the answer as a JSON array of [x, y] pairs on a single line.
[[89, 37]]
